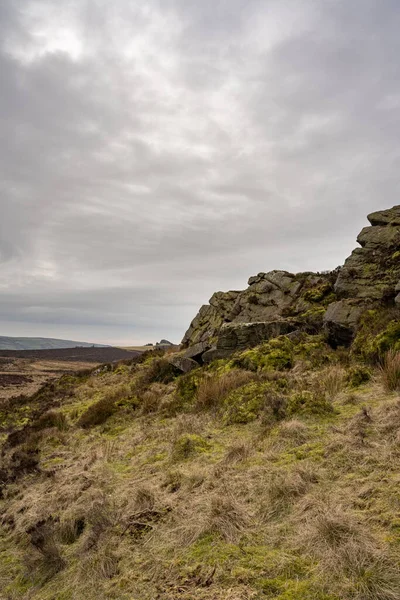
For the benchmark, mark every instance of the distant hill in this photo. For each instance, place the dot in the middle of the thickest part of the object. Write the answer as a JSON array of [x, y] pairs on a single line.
[[33, 343]]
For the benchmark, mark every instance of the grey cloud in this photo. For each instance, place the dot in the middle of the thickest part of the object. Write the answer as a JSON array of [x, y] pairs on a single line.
[[154, 153]]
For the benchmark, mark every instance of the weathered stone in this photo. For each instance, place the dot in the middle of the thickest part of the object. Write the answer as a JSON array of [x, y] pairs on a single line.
[[385, 217], [215, 354], [340, 322], [372, 271], [182, 363], [269, 297], [196, 350], [369, 277], [238, 336]]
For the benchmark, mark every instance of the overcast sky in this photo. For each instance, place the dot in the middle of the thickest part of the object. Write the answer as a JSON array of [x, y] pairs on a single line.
[[155, 151]]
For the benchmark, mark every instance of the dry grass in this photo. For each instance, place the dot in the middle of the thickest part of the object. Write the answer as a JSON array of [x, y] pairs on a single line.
[[225, 517], [390, 371], [214, 388], [308, 511], [100, 411], [347, 552], [333, 380]]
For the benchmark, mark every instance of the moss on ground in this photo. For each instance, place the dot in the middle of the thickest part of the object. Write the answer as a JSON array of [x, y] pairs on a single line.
[[246, 501]]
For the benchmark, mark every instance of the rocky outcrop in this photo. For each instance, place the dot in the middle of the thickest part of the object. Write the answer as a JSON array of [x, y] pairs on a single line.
[[369, 277], [274, 303], [279, 302]]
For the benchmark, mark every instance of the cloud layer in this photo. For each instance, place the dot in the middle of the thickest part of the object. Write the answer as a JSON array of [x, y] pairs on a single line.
[[154, 152]]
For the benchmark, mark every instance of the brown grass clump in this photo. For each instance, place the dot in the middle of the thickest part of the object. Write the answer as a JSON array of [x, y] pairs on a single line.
[[347, 553], [150, 401], [52, 418], [145, 499], [70, 529], [390, 371], [43, 557], [103, 564], [225, 518], [237, 453], [332, 381], [294, 431], [282, 489], [213, 389]]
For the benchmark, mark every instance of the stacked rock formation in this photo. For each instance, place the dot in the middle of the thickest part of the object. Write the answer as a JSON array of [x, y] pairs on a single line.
[[370, 276], [279, 302]]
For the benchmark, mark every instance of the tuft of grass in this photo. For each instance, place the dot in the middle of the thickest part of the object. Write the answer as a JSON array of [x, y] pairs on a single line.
[[70, 529], [332, 381], [225, 518], [390, 371], [43, 559], [213, 389], [52, 418]]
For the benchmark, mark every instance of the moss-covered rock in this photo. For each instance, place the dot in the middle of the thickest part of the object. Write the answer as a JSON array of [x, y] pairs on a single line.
[[246, 403], [357, 375], [379, 332]]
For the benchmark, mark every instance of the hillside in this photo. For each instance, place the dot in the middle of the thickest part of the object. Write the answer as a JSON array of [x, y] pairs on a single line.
[[32, 343], [261, 461]]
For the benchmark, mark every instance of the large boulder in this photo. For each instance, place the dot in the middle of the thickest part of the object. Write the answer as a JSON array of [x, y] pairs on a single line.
[[270, 297], [340, 322], [372, 272], [182, 363]]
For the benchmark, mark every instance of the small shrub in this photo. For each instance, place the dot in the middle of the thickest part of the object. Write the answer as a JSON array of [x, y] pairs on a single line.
[[275, 354], [52, 418], [309, 403], [150, 401], [158, 371], [97, 413], [379, 331], [319, 293], [186, 389], [358, 375], [390, 371]]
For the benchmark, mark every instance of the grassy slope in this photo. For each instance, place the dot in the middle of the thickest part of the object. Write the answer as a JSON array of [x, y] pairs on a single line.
[[173, 498]]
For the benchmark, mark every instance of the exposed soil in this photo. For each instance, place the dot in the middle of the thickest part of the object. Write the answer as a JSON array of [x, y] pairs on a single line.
[[25, 371], [96, 355], [7, 379]]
